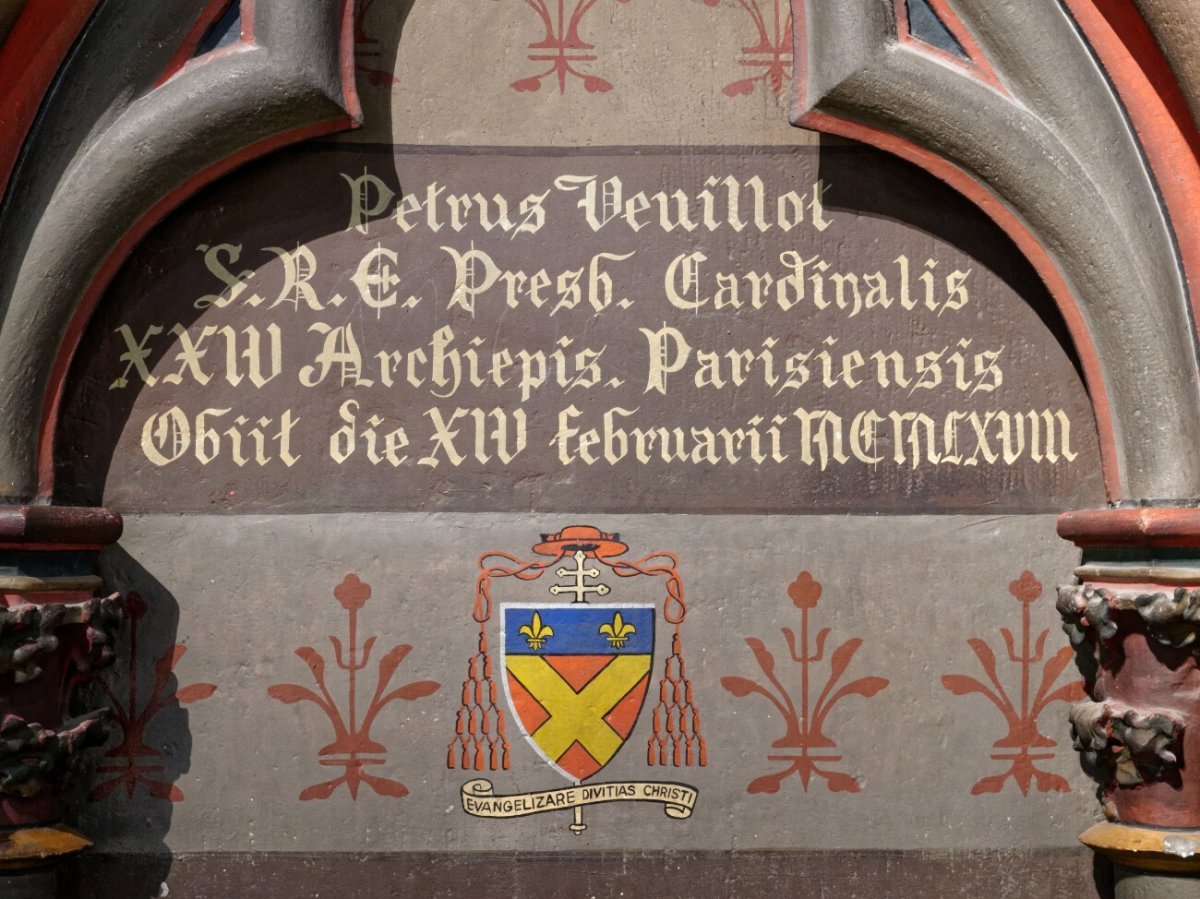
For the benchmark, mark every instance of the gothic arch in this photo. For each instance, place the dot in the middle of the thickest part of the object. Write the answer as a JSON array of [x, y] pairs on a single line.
[[1039, 138], [148, 133]]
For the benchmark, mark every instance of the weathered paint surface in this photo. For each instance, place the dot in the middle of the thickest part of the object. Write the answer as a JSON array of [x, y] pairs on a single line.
[[833, 738], [899, 584], [689, 330]]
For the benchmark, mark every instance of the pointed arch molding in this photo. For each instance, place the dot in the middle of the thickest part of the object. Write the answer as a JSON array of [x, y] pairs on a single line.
[[71, 217], [1049, 152]]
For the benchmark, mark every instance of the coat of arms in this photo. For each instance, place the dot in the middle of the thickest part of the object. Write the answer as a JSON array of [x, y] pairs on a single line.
[[575, 679]]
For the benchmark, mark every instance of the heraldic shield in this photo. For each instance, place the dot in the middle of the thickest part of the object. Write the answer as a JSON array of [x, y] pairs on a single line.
[[576, 678]]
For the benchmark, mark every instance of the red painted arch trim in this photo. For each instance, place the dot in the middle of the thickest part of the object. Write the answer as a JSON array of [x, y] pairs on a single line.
[[1142, 527], [29, 60], [112, 264], [1158, 113], [108, 269], [350, 98], [1029, 246], [185, 57], [977, 64]]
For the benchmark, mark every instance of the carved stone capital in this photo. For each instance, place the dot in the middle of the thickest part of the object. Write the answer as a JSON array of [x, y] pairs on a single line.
[[1082, 607], [54, 632], [29, 632], [1125, 745], [1172, 617], [34, 758], [1135, 622]]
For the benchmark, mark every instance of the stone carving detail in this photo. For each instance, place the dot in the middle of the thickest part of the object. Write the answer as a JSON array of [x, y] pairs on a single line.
[[1083, 607], [28, 635], [1173, 619], [33, 757], [1128, 746]]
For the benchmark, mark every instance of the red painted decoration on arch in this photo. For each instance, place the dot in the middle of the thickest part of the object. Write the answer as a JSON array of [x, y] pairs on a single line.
[[975, 63]]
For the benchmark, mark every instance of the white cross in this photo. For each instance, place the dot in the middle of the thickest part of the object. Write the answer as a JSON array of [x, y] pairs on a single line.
[[580, 588]]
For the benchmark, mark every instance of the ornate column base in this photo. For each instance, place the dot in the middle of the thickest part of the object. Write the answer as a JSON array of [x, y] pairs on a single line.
[[1134, 619], [29, 859], [1146, 848], [1134, 884], [54, 633]]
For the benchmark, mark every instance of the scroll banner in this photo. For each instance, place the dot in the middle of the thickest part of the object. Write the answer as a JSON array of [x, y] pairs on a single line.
[[479, 798]]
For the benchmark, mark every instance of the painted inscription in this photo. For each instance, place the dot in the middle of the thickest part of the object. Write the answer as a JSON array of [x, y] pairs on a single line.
[[733, 332]]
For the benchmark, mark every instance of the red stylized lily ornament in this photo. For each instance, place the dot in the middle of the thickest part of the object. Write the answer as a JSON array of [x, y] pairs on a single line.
[[770, 56], [352, 747], [367, 53], [1024, 745], [805, 747], [132, 762], [562, 47]]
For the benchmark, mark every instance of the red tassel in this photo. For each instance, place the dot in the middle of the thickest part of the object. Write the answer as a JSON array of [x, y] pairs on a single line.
[[677, 716], [477, 717]]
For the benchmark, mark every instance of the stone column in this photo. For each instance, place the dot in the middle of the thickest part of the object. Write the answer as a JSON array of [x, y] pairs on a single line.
[[1134, 618], [55, 631]]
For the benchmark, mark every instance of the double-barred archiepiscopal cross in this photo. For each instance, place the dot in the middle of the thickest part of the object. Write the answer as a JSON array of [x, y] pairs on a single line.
[[581, 588]]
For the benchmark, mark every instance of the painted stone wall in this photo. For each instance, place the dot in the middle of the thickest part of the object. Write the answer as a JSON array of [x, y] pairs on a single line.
[[915, 637], [854, 641]]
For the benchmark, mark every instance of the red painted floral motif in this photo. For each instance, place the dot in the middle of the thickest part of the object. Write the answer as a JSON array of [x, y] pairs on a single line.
[[1023, 735], [770, 57], [808, 749], [367, 53], [132, 762], [352, 748], [562, 47]]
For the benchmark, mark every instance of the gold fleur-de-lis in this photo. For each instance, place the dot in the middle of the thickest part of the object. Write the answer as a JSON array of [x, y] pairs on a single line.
[[618, 631], [535, 633]]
